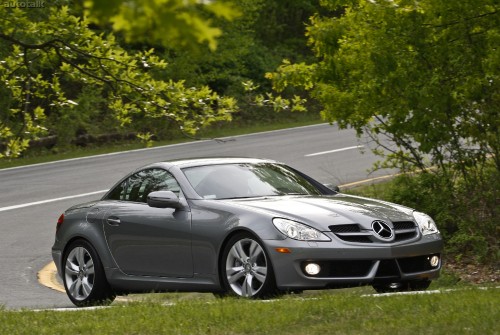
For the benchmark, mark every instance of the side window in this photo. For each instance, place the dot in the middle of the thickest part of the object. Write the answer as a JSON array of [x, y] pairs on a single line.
[[137, 187]]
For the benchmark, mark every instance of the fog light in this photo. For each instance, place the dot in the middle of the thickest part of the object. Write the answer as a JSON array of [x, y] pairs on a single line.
[[434, 261], [312, 269]]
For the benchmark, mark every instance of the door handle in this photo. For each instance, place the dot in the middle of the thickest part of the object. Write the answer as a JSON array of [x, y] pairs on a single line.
[[113, 221]]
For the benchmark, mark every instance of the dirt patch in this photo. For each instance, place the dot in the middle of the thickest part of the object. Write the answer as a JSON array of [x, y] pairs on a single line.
[[471, 272]]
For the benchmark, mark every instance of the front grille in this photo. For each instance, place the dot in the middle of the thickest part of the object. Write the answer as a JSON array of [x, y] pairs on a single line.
[[357, 239], [351, 233], [400, 225], [345, 228], [404, 236], [403, 230]]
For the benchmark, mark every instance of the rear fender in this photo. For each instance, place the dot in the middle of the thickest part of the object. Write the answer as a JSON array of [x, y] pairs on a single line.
[[88, 226]]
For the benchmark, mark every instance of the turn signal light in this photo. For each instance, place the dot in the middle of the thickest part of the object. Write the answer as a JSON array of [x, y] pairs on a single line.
[[60, 222], [283, 250]]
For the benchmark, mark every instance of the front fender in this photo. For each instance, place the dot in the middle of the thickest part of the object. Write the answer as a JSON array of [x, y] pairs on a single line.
[[211, 227]]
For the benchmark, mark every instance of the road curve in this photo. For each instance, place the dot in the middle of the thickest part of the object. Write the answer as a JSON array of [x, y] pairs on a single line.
[[33, 197]]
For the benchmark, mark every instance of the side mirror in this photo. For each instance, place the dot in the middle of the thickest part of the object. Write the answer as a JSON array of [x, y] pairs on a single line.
[[164, 199], [332, 187]]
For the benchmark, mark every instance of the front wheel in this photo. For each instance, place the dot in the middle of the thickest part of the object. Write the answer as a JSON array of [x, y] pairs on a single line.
[[83, 276], [415, 285], [246, 269]]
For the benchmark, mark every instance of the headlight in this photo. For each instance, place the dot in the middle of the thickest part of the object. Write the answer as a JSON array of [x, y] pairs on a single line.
[[299, 231], [426, 223]]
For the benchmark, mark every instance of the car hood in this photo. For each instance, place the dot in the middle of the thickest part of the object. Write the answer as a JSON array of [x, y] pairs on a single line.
[[322, 212]]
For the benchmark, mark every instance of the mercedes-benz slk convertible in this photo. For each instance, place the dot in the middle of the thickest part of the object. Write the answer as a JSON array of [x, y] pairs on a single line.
[[238, 226]]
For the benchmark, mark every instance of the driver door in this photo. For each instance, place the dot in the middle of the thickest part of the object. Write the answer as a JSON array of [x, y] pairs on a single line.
[[148, 241]]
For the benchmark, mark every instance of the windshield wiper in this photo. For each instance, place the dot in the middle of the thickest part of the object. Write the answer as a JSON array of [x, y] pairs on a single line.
[[245, 197]]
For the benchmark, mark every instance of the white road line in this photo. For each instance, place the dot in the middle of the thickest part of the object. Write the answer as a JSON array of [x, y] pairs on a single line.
[[3, 209], [227, 138], [439, 291], [332, 151], [71, 309], [390, 294]]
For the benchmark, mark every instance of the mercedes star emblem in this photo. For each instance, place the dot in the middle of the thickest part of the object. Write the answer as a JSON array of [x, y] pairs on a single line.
[[382, 229]]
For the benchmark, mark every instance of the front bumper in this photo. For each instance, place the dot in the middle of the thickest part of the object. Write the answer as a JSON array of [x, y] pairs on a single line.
[[353, 264]]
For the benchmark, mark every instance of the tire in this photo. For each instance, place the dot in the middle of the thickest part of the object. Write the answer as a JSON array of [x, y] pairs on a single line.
[[246, 269], [415, 285], [83, 276]]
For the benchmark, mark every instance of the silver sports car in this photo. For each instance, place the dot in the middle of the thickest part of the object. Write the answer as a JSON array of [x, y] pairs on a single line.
[[238, 226]]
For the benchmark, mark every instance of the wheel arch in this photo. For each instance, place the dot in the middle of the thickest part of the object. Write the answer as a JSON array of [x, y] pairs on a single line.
[[224, 244], [222, 247], [70, 242], [98, 242]]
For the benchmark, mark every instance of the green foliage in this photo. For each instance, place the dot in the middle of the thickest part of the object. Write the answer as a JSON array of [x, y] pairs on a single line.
[[167, 22], [53, 65], [251, 45], [77, 72], [420, 77]]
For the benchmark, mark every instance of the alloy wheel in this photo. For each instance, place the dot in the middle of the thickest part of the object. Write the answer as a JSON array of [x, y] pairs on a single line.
[[79, 273], [246, 267]]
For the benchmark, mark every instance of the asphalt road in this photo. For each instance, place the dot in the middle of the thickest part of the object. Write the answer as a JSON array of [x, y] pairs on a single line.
[[33, 197]]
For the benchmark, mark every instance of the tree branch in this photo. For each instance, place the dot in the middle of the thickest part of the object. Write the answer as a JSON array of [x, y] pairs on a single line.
[[452, 23]]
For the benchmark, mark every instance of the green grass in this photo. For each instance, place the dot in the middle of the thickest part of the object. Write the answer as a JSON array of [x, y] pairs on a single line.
[[465, 311], [230, 129]]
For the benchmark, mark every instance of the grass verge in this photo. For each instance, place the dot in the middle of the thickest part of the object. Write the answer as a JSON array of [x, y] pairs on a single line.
[[465, 311]]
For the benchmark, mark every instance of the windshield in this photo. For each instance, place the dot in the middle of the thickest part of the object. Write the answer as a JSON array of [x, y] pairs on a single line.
[[229, 181]]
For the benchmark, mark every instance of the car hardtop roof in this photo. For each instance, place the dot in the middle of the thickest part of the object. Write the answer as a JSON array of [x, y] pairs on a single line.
[[191, 162]]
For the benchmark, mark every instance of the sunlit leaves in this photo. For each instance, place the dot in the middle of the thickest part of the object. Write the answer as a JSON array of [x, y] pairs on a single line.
[[276, 102], [168, 22], [298, 75], [47, 64]]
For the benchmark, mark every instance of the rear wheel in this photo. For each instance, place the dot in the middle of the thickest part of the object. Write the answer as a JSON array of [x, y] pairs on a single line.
[[246, 269], [83, 276], [414, 285]]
